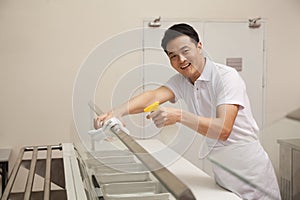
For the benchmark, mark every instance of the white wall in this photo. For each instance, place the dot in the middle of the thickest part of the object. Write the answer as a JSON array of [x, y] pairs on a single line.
[[44, 42]]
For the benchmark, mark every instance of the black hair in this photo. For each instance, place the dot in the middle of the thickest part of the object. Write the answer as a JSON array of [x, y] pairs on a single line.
[[179, 30]]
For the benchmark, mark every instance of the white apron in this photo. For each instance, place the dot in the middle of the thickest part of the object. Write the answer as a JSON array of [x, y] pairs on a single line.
[[249, 162]]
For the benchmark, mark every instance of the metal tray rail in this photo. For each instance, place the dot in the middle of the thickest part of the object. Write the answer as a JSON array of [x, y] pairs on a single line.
[[35, 166]]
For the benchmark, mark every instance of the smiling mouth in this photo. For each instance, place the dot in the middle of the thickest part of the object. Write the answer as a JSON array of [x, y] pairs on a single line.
[[185, 66]]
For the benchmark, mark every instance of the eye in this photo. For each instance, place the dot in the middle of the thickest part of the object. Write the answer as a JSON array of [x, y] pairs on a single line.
[[173, 56], [185, 51]]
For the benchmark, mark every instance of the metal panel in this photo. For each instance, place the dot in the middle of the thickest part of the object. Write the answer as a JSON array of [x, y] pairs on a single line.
[[296, 174], [285, 172], [74, 186]]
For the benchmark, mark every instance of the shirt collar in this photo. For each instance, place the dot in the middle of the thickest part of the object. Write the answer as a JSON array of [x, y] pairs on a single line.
[[207, 71]]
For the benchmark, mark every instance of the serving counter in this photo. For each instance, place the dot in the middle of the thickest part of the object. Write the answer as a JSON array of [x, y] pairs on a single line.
[[119, 167]]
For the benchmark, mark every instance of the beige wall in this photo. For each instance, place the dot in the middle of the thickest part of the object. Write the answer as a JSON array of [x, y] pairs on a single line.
[[44, 42]]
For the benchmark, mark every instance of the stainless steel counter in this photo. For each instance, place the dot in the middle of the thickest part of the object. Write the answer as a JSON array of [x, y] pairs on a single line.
[[119, 167]]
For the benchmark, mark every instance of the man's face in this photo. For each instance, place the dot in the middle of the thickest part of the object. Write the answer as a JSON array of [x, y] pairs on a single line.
[[186, 56]]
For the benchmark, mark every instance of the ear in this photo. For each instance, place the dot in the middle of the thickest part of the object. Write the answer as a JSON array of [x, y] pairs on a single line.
[[199, 45]]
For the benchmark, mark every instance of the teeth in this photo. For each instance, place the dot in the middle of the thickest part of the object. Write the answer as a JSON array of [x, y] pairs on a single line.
[[185, 66]]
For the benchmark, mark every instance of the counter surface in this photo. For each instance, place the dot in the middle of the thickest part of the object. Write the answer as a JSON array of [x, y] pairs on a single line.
[[202, 185]]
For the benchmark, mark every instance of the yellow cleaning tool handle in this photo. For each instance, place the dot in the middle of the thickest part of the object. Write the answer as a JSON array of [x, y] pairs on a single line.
[[152, 107]]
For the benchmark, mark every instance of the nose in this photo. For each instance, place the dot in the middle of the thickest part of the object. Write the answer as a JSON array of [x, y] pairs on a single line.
[[181, 58]]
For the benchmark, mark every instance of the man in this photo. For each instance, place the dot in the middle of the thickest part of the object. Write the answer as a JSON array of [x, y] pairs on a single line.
[[218, 109]]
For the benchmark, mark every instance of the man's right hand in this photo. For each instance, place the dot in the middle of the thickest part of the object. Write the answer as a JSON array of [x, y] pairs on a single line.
[[101, 119]]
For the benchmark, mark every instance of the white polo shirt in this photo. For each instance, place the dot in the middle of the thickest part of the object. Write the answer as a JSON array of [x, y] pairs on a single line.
[[218, 84]]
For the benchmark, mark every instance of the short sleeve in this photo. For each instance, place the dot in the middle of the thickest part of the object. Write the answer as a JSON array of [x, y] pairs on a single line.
[[174, 85], [231, 89]]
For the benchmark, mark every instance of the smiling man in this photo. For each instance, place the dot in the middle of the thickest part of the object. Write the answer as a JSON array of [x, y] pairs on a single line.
[[219, 109]]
